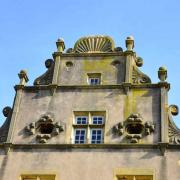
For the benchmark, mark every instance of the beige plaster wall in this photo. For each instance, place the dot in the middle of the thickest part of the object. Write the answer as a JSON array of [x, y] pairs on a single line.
[[88, 164], [117, 105], [77, 74]]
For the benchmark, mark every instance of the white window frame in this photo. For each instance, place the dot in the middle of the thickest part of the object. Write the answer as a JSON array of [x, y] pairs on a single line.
[[94, 76], [93, 116], [102, 135], [93, 79], [85, 136], [76, 117], [89, 115]]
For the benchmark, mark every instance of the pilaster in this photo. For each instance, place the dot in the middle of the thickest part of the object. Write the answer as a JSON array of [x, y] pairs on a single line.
[[19, 91]]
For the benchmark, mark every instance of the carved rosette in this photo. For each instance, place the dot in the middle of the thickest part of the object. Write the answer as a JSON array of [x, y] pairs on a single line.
[[174, 131], [44, 129], [134, 128]]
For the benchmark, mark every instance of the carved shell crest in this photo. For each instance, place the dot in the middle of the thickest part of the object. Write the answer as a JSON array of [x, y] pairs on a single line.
[[94, 44]]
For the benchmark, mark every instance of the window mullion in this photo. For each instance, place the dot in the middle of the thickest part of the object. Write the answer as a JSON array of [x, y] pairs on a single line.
[[88, 129]]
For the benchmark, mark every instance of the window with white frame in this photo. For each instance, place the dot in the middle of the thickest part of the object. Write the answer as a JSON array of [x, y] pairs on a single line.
[[81, 119], [97, 119], [94, 78], [80, 136], [88, 127], [96, 136]]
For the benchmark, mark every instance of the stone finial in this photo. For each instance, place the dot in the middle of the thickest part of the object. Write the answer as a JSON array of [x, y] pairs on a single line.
[[162, 74], [23, 77], [130, 43], [60, 45]]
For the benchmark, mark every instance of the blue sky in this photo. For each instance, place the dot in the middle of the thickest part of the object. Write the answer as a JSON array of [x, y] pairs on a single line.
[[29, 30]]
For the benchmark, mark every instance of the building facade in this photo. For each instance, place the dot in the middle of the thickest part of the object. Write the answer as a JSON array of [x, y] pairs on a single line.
[[92, 115]]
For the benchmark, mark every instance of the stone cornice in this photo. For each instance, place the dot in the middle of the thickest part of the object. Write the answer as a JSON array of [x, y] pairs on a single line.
[[125, 53], [88, 146], [118, 86]]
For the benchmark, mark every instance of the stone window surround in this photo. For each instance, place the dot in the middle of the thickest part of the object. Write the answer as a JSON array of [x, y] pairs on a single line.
[[38, 177], [89, 126], [94, 76]]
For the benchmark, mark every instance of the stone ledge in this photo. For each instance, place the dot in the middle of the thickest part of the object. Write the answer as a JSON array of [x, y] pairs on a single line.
[[118, 86], [100, 54]]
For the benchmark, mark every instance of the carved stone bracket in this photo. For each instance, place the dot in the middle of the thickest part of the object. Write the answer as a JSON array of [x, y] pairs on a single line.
[[47, 77], [134, 128], [174, 131], [162, 147], [44, 129], [138, 77]]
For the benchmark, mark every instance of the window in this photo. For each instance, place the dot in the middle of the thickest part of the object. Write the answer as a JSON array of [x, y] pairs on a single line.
[[81, 119], [133, 174], [88, 127], [135, 177], [97, 120], [94, 78], [94, 81], [80, 136], [96, 136], [38, 177]]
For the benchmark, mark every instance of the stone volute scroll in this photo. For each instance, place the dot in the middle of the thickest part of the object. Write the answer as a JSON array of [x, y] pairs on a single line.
[[139, 77], [134, 128], [174, 131], [44, 129], [47, 77]]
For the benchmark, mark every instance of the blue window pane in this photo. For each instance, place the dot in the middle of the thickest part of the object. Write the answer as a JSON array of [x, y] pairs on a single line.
[[83, 132], [84, 121], [93, 137], [99, 132], [82, 138], [77, 137], [94, 132], [77, 132]]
